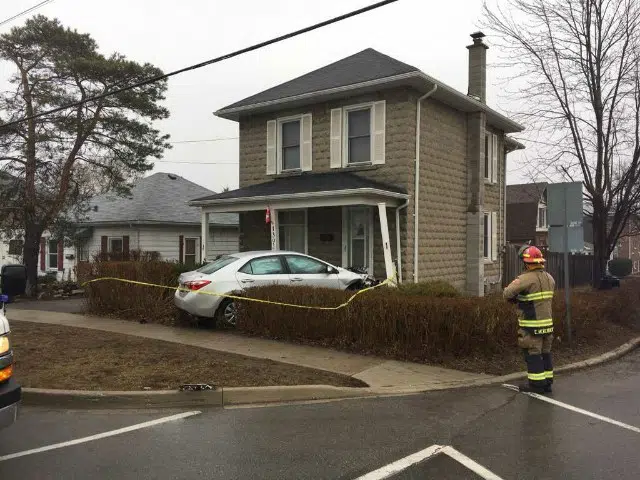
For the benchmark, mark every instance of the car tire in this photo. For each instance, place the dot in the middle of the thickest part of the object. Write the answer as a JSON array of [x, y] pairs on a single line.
[[227, 313]]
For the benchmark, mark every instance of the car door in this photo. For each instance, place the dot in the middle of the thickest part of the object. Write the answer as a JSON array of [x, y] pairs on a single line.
[[310, 272], [262, 271]]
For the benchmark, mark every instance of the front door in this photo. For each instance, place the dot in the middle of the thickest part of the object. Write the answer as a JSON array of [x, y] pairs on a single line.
[[358, 241]]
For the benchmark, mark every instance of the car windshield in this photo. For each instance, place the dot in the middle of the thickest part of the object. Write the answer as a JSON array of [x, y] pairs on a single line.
[[217, 264]]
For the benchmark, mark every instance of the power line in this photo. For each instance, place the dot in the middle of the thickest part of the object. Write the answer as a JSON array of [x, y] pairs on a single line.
[[24, 12], [219, 139], [207, 62]]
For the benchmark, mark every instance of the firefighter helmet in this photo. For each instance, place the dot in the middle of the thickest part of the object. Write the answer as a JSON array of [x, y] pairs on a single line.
[[531, 254]]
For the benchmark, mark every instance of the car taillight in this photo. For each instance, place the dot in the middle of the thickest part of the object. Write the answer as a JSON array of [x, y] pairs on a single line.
[[196, 284]]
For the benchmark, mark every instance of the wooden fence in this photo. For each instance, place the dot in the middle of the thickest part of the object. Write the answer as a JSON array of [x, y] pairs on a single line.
[[580, 267]]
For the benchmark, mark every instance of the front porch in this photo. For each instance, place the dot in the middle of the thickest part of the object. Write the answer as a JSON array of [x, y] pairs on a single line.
[[345, 220]]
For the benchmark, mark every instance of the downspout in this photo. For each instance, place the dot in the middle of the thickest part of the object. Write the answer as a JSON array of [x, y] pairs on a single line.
[[398, 249], [416, 192], [503, 211]]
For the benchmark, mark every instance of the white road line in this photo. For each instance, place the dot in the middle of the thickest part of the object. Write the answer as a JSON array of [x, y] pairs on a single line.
[[111, 433], [404, 463], [470, 464], [578, 410]]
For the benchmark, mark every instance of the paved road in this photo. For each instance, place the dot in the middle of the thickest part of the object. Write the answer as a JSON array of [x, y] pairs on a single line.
[[512, 435]]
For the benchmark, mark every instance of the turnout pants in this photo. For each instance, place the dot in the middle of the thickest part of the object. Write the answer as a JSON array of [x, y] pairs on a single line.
[[537, 355]]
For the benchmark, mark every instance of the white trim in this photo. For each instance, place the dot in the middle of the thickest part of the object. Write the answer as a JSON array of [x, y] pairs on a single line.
[[198, 249], [121, 238], [495, 118], [346, 234], [280, 121], [302, 195], [48, 266], [345, 129], [386, 242], [487, 235], [542, 205]]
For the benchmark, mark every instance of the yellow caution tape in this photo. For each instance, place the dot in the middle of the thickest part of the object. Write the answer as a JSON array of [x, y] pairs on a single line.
[[237, 297]]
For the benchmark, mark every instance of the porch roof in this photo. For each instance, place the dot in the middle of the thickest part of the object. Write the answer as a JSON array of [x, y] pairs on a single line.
[[306, 189]]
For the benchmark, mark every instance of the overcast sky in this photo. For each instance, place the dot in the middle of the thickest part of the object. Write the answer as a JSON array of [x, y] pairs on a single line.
[[432, 36]]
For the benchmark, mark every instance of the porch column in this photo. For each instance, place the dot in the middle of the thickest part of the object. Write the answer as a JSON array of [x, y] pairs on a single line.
[[275, 230], [386, 244], [204, 233]]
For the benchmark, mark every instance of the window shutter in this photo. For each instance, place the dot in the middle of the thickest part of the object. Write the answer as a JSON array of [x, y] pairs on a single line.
[[199, 249], [125, 247], [43, 255], [272, 127], [306, 153], [104, 244], [181, 249], [494, 158], [60, 255], [379, 120], [336, 138], [494, 236]]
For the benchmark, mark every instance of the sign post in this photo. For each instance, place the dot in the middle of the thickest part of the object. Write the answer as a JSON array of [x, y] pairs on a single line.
[[564, 202]]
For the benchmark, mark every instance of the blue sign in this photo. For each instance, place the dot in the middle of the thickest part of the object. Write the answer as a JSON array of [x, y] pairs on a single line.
[[4, 298]]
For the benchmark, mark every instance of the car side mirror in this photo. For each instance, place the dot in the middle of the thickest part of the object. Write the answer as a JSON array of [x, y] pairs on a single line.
[[13, 280], [331, 270]]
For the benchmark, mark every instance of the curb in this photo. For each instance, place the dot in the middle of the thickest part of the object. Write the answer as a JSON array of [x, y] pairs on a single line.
[[220, 397]]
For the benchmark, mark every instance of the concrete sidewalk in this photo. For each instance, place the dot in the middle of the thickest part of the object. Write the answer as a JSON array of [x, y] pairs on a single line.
[[379, 373]]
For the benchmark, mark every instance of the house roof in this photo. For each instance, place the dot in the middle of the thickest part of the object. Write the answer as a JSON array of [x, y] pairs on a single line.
[[525, 192], [365, 71], [304, 184], [160, 198]]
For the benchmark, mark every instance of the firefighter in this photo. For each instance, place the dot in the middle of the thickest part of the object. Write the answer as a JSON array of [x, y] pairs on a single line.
[[533, 292]]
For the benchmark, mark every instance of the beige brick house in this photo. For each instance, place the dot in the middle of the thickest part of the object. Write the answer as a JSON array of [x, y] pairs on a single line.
[[370, 162]]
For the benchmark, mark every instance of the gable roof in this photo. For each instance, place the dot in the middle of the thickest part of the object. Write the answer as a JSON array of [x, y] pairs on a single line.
[[160, 198], [365, 71], [526, 192], [361, 67], [304, 184]]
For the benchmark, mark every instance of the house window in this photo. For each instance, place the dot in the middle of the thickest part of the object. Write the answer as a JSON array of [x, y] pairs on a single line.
[[53, 254], [542, 217], [290, 135], [115, 245], [491, 158], [358, 135], [486, 240], [190, 251], [16, 247], [487, 158], [293, 230], [82, 251]]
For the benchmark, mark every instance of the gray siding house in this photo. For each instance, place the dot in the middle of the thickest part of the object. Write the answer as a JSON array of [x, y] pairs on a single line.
[[370, 162]]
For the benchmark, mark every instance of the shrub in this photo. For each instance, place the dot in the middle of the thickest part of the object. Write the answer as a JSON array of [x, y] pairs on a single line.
[[430, 289], [621, 267]]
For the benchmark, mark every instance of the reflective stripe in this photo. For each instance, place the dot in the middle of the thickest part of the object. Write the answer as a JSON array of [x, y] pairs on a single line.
[[533, 297], [547, 322], [536, 376], [548, 374]]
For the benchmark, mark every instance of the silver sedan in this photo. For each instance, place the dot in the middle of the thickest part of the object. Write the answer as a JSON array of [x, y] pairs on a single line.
[[232, 274]]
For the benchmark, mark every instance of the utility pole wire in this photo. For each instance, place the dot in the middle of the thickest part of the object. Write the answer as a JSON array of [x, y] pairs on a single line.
[[24, 12], [205, 63]]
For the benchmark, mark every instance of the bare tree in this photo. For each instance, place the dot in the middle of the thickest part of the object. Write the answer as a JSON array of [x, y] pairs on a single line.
[[575, 72]]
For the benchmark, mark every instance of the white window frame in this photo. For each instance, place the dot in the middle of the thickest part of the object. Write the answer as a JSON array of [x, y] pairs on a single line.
[[486, 236], [197, 250], [49, 253], [346, 236], [491, 157], [491, 242], [345, 133], [306, 227], [279, 157], [542, 228], [109, 239]]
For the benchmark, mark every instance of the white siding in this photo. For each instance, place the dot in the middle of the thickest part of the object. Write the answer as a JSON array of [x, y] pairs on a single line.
[[223, 241]]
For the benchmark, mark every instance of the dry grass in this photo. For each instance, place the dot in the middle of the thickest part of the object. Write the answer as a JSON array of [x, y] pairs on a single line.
[[52, 356]]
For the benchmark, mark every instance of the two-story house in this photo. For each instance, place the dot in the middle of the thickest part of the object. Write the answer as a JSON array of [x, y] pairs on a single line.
[[370, 162]]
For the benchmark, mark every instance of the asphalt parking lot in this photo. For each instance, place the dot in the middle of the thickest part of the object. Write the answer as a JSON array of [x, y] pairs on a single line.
[[591, 432]]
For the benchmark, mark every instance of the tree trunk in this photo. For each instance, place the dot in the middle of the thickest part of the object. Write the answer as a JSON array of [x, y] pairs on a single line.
[[600, 248], [32, 234]]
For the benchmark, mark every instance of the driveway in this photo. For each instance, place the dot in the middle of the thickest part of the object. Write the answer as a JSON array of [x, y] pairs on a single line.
[[66, 305], [489, 432]]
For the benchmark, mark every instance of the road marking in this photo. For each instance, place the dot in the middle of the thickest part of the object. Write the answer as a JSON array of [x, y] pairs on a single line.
[[404, 463], [91, 438], [576, 409]]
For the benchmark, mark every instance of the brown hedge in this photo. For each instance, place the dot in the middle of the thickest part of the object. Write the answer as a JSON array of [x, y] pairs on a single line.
[[421, 328]]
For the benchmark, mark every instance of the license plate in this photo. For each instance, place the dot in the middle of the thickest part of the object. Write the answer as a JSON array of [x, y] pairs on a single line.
[[182, 293]]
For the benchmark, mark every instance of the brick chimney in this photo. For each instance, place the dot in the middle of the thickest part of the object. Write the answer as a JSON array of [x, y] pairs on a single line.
[[478, 68]]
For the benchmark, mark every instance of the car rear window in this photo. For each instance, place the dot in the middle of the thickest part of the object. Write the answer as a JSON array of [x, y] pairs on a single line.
[[217, 264]]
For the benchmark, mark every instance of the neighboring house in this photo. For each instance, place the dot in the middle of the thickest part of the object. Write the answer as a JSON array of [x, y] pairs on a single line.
[[527, 214], [370, 162], [155, 218], [629, 244]]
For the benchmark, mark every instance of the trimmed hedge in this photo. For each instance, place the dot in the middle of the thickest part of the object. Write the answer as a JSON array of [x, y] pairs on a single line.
[[390, 323]]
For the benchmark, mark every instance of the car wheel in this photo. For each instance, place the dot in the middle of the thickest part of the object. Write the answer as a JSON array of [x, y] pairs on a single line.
[[227, 313]]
